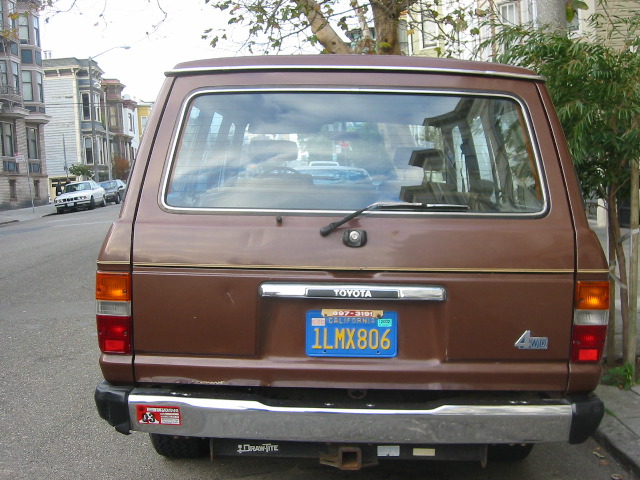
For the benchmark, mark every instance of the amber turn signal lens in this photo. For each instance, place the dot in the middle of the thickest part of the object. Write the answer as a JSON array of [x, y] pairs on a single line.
[[113, 286], [592, 296]]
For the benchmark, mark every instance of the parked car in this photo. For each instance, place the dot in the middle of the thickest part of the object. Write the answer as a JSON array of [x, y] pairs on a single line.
[[114, 190], [455, 307], [86, 194], [328, 174]]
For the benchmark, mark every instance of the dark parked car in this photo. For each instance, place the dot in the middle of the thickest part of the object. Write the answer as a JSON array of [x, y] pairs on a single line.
[[439, 296], [114, 190]]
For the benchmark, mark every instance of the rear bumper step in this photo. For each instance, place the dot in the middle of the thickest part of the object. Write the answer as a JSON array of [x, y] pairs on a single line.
[[478, 422]]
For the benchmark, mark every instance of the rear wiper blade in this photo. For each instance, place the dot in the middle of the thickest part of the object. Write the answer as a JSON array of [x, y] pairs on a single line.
[[443, 207]]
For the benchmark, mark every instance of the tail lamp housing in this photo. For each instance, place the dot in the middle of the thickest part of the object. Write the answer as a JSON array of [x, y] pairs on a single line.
[[113, 312], [590, 321]]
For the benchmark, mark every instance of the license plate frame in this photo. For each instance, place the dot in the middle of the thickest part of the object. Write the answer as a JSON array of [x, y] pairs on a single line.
[[351, 333]]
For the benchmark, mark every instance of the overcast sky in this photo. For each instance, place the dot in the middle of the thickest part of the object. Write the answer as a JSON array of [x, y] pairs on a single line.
[[84, 32]]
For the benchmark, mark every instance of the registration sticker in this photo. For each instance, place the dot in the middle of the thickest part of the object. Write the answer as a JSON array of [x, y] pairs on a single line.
[[351, 333], [158, 415]]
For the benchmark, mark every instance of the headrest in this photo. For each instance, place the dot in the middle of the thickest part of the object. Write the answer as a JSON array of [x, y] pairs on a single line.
[[273, 151]]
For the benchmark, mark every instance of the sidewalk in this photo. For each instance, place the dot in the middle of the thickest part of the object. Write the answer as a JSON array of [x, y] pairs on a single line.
[[619, 431], [23, 214]]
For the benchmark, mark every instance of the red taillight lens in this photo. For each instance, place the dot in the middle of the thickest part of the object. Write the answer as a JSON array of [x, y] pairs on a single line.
[[114, 334], [113, 312], [591, 317], [588, 343]]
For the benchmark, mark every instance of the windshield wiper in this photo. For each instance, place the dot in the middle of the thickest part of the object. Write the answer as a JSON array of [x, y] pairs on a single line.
[[438, 207]]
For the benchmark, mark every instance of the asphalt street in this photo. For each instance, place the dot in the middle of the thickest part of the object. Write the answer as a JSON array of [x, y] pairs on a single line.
[[49, 427]]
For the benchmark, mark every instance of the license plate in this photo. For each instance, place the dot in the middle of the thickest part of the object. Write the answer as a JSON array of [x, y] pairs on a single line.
[[351, 333], [71, 204]]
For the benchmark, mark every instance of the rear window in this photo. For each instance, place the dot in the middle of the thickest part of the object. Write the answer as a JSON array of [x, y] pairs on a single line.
[[327, 151]]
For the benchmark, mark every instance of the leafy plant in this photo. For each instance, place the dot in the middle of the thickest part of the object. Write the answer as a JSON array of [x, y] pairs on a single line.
[[621, 376], [80, 170]]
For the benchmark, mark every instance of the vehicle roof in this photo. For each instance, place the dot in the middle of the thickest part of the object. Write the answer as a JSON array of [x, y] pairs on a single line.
[[394, 63]]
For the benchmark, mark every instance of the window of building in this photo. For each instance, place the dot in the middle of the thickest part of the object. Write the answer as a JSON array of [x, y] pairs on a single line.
[[88, 151], [132, 125], [26, 55], [38, 57], [429, 30], [33, 150], [34, 167], [4, 79], [86, 108], [13, 190], [36, 188], [27, 87], [509, 13], [12, 10], [10, 166], [143, 122], [574, 25], [36, 32], [15, 77], [111, 114], [40, 87], [23, 29], [97, 113], [6, 139]]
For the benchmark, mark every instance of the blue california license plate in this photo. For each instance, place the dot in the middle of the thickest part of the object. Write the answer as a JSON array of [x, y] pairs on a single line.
[[351, 333]]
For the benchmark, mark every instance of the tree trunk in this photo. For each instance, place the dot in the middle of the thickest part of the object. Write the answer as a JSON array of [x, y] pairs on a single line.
[[552, 13], [631, 340], [614, 229], [385, 19], [321, 28], [612, 351]]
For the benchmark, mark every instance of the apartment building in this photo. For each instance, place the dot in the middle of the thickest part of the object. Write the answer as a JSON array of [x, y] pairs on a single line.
[[23, 179], [122, 125], [428, 35], [92, 124]]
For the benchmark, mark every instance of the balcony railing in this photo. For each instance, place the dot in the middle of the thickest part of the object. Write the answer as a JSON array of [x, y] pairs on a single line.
[[11, 93]]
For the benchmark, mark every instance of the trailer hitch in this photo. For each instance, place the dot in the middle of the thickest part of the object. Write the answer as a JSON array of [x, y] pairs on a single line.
[[347, 458]]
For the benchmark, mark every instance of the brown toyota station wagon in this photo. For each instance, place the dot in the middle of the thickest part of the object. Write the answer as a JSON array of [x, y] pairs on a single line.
[[352, 258]]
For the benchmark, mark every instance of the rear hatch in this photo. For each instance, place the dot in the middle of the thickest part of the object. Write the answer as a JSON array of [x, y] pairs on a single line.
[[458, 274]]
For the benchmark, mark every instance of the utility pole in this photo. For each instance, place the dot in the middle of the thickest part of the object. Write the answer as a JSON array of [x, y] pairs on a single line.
[[94, 150]]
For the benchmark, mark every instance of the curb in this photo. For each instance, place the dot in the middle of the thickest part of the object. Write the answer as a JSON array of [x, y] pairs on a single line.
[[620, 442]]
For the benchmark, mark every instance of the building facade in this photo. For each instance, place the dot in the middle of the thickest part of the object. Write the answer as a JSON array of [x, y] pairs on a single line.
[[122, 126], [92, 124], [23, 179], [144, 112]]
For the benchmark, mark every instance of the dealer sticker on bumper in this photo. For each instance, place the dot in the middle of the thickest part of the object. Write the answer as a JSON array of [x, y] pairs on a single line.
[[158, 415]]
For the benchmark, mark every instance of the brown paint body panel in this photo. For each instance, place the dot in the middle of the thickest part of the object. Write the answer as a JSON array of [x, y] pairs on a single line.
[[198, 316]]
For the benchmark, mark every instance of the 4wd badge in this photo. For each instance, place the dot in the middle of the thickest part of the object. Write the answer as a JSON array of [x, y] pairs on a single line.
[[528, 342]]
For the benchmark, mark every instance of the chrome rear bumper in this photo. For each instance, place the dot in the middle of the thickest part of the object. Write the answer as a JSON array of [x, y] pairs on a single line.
[[484, 422]]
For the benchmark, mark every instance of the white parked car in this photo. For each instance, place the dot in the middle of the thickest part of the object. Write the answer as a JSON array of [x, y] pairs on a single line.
[[86, 194]]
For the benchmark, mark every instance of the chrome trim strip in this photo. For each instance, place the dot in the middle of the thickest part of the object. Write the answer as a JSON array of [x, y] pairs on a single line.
[[234, 418], [381, 68], [222, 266], [353, 291], [171, 156]]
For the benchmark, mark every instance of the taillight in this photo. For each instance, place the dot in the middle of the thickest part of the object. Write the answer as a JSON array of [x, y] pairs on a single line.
[[113, 312], [590, 320]]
